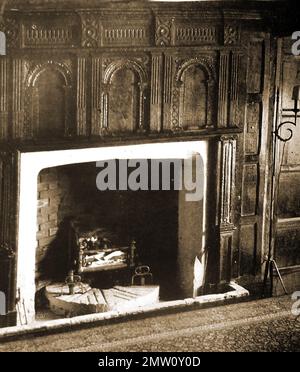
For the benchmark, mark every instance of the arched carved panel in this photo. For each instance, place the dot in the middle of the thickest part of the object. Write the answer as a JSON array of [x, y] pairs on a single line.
[[50, 104], [123, 108], [193, 95], [124, 97], [49, 95], [194, 98]]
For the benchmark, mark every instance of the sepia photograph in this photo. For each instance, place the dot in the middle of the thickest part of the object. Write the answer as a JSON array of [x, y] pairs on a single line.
[[149, 179]]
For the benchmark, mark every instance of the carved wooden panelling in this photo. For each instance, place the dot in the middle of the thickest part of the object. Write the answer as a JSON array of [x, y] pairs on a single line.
[[235, 119], [255, 67], [124, 96], [248, 235], [49, 88], [287, 247], [289, 195], [250, 189], [252, 128], [123, 101], [193, 94], [194, 98]]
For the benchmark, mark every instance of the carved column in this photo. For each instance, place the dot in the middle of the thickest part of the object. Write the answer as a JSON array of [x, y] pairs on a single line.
[[18, 104], [234, 90], [4, 65], [96, 96], [81, 97], [167, 93], [8, 229], [227, 154], [223, 89], [156, 88]]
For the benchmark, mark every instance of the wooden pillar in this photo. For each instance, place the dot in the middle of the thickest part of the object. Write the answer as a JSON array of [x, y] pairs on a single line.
[[227, 155], [96, 96], [4, 66], [8, 231], [81, 97], [18, 105], [156, 96]]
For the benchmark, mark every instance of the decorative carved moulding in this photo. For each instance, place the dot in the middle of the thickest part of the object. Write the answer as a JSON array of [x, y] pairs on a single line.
[[11, 27], [164, 34], [195, 33], [57, 34], [228, 169], [231, 34], [101, 29], [178, 31]]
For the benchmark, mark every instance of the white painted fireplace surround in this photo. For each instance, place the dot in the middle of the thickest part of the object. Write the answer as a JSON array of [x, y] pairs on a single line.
[[31, 163]]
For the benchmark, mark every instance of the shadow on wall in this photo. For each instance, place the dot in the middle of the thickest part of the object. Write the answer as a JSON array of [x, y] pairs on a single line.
[[54, 266]]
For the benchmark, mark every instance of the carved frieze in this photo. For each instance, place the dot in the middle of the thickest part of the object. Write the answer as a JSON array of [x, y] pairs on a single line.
[[122, 35], [35, 35], [96, 31], [195, 34]]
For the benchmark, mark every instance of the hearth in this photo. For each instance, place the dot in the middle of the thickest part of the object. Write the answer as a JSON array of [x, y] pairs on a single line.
[[59, 187]]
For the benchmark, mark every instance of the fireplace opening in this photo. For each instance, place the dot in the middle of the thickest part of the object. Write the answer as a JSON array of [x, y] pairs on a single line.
[[106, 246]]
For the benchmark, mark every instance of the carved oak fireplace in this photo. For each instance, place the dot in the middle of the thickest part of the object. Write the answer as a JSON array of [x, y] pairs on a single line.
[[90, 82]]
